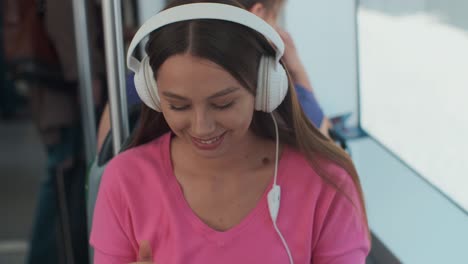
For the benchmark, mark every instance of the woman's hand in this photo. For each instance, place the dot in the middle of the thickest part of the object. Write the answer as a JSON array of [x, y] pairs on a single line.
[[144, 254]]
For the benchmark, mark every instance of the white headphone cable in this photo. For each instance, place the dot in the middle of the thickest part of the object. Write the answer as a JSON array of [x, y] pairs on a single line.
[[274, 196]]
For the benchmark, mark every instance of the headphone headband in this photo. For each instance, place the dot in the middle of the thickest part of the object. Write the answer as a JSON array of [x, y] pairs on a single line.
[[204, 11]]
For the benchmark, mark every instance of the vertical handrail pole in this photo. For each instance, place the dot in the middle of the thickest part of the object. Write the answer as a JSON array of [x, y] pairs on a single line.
[[120, 55], [85, 82], [119, 133]]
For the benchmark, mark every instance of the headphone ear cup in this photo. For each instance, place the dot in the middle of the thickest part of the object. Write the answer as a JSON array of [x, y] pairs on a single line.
[[272, 85], [146, 85]]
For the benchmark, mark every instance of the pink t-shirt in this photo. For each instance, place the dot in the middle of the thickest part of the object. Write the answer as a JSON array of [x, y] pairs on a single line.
[[140, 199]]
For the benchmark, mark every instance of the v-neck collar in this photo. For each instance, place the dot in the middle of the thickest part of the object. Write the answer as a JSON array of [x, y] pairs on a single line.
[[219, 237]]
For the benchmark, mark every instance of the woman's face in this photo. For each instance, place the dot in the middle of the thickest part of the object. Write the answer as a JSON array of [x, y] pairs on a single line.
[[207, 108]]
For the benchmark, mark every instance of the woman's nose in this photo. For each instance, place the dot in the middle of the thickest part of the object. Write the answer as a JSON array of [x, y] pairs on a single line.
[[203, 124]]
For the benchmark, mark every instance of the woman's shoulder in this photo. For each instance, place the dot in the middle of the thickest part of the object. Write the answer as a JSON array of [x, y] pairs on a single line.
[[319, 171], [328, 184], [138, 162], [155, 149]]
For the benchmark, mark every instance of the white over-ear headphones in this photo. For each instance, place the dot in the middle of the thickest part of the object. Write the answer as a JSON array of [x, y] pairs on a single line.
[[272, 83]]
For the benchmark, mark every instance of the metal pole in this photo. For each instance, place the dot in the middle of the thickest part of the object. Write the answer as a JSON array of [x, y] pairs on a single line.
[[119, 41], [64, 219], [84, 73], [3, 68], [117, 113]]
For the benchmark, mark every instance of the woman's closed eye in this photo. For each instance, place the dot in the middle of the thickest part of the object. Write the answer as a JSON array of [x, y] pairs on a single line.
[[179, 107], [218, 106], [223, 106]]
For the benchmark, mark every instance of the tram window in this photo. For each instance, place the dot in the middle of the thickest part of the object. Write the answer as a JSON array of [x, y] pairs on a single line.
[[413, 81]]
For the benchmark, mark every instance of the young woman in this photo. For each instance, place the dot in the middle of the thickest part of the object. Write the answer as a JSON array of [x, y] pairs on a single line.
[[202, 182]]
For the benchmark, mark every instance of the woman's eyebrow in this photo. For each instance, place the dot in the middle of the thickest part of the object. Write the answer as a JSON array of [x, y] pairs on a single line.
[[218, 94], [175, 96], [224, 92]]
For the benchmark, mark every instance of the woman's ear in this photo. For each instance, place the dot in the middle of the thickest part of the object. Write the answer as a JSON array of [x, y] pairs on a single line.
[[259, 10]]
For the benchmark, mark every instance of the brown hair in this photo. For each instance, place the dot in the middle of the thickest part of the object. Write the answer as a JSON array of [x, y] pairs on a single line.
[[213, 40]]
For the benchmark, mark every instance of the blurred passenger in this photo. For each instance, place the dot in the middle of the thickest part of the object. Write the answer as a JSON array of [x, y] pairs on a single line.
[[56, 111], [269, 11]]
